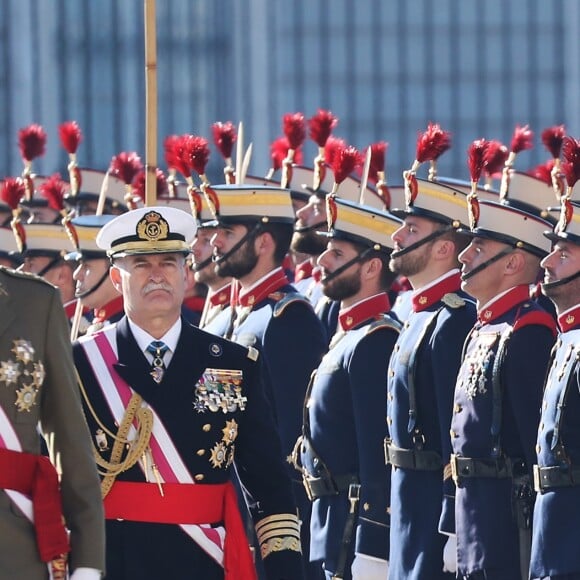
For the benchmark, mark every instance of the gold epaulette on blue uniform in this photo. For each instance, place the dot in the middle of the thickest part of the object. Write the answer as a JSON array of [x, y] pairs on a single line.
[[452, 300], [253, 353], [283, 299], [384, 322]]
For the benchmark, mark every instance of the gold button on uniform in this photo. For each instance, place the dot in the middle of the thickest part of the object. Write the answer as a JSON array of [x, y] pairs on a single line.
[[206, 427], [199, 477], [457, 408], [201, 452]]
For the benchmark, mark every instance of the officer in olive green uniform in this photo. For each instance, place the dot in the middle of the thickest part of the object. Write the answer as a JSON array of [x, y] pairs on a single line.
[[38, 387]]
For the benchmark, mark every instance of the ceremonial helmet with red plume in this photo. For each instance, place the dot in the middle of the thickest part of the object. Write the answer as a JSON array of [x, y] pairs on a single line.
[[294, 127], [126, 165], [32, 144], [522, 139], [224, 137], [320, 127], [70, 137]]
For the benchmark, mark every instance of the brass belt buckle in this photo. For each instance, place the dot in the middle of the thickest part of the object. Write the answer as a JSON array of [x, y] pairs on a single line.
[[353, 496], [537, 479], [454, 470]]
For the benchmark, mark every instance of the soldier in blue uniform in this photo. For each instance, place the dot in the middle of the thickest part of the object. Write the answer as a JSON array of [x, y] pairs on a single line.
[[171, 409], [204, 271], [555, 553], [341, 448], [94, 288], [498, 392], [422, 373], [251, 240]]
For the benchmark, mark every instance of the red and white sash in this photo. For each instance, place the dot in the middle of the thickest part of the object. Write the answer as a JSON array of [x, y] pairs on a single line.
[[9, 440], [101, 351]]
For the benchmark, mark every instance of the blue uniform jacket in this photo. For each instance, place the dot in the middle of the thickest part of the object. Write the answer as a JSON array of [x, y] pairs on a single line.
[[557, 510], [488, 537], [144, 550], [422, 502], [347, 429]]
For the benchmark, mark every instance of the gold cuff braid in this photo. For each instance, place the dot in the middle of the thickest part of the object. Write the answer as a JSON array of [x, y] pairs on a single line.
[[279, 544], [278, 532]]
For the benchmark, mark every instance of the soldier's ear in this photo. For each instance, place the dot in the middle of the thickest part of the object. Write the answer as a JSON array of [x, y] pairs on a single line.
[[115, 276]]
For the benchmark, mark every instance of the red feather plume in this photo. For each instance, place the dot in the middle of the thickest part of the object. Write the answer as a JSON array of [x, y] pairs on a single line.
[[378, 153], [125, 166], [333, 146], [224, 137], [13, 191], [344, 163], [70, 136], [571, 154], [552, 138], [294, 128], [138, 184], [432, 143], [278, 152], [174, 154], [32, 142], [53, 190], [476, 158], [321, 125], [495, 157], [522, 139], [195, 153], [543, 172]]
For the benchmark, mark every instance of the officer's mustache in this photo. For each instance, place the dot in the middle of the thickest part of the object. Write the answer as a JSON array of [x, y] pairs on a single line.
[[154, 286]]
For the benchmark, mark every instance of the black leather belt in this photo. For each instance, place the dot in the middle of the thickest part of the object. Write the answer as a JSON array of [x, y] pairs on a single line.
[[546, 478], [324, 486], [418, 459], [462, 467]]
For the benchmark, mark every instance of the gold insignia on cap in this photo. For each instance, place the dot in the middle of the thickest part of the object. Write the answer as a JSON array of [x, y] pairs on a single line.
[[152, 227]]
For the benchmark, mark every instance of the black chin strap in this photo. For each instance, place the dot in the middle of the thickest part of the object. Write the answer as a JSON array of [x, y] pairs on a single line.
[[418, 244], [202, 265], [556, 283], [50, 265], [489, 262], [236, 247], [94, 288], [305, 229], [346, 266]]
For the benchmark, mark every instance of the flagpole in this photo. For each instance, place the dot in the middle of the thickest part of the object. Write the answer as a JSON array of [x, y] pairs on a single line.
[[150, 104]]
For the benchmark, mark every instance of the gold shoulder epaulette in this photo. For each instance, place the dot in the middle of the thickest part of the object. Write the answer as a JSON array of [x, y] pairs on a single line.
[[384, 322], [253, 353], [453, 300], [24, 276], [285, 300]]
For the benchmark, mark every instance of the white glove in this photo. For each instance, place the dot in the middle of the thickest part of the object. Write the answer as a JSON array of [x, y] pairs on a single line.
[[369, 568], [86, 574], [450, 554]]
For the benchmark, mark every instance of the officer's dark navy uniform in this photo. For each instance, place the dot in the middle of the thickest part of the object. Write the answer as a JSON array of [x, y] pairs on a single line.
[[422, 374], [209, 401], [276, 320], [497, 395], [341, 449], [555, 552]]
